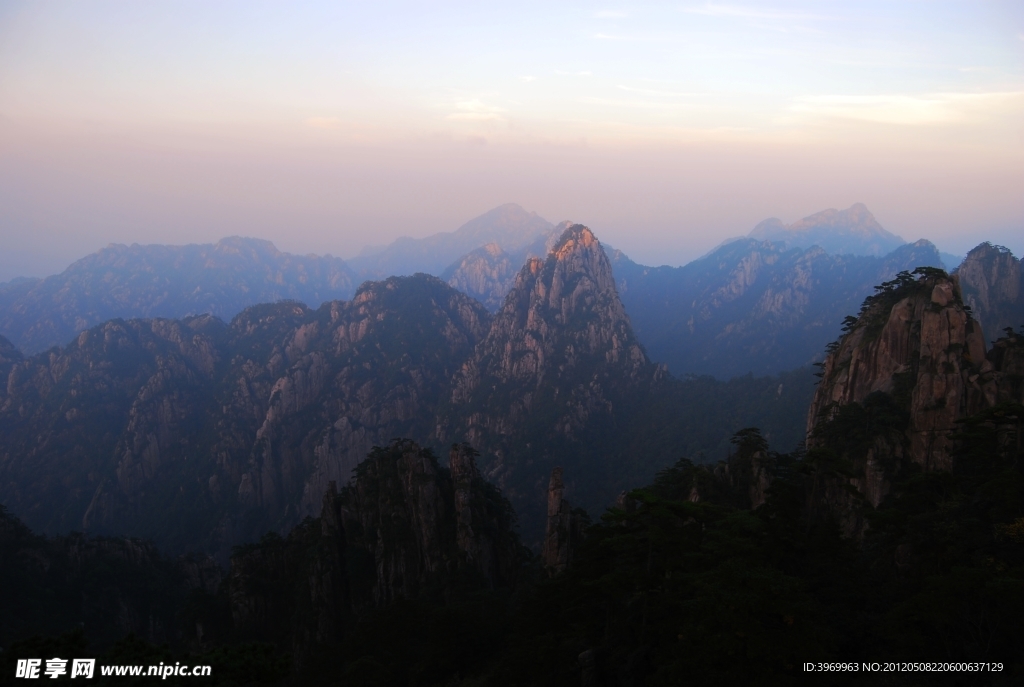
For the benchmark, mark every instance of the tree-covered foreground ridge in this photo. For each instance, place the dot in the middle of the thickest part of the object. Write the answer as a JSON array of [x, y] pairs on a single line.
[[895, 534]]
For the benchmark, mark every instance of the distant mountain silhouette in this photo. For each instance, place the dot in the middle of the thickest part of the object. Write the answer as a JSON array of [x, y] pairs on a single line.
[[488, 273], [752, 306], [201, 434], [854, 231], [164, 281], [509, 226]]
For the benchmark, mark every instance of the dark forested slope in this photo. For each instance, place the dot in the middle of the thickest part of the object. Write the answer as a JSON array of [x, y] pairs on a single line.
[[201, 434]]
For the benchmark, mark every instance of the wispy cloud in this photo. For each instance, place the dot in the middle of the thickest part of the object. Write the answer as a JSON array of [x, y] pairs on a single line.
[[527, 79], [609, 14], [924, 109], [739, 12], [476, 111]]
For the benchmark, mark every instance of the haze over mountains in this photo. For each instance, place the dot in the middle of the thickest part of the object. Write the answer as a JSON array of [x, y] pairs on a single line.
[[759, 304], [288, 461], [854, 231], [198, 433], [896, 523], [164, 281], [287, 398], [508, 226], [752, 306]]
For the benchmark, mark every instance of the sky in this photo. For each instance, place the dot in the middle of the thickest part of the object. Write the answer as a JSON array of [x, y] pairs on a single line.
[[665, 127]]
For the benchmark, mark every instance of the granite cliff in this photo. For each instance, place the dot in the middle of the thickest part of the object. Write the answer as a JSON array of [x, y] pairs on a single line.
[[993, 287], [231, 429], [557, 373], [489, 272], [565, 530], [897, 387], [201, 434]]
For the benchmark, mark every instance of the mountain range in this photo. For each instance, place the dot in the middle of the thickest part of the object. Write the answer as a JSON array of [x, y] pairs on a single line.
[[760, 305], [164, 281], [896, 529], [752, 306], [201, 434]]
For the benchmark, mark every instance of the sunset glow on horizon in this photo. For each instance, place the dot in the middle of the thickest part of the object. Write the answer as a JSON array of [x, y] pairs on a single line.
[[326, 127]]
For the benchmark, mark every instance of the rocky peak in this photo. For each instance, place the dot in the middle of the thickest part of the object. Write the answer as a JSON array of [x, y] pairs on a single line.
[[484, 521], [488, 273], [397, 508], [856, 218], [991, 278], [558, 363], [565, 527], [915, 341], [561, 311], [900, 387]]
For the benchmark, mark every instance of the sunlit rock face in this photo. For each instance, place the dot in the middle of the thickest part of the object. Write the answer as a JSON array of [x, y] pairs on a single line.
[[201, 434], [910, 368], [926, 343], [489, 272], [557, 364], [562, 312]]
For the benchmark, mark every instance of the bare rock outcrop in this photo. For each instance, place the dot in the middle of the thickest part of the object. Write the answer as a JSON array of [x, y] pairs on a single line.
[[562, 312], [484, 522], [919, 343], [743, 479], [560, 358], [236, 428], [993, 286], [565, 528], [896, 387]]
